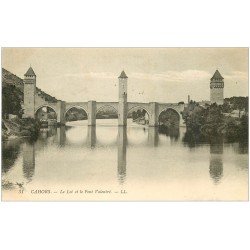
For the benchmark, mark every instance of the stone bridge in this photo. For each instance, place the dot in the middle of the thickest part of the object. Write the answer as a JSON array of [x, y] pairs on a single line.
[[153, 109], [35, 99]]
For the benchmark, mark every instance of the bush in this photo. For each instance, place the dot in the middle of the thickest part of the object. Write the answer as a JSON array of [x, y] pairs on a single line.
[[25, 133], [211, 123], [28, 126]]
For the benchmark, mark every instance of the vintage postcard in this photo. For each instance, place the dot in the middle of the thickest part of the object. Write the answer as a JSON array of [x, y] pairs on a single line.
[[124, 124]]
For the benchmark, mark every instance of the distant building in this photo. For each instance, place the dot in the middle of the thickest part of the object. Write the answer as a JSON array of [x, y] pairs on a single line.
[[204, 103], [217, 88], [236, 113]]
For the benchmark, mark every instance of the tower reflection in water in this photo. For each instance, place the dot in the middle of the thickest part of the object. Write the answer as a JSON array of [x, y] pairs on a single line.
[[122, 153], [153, 139], [28, 160], [153, 136], [61, 136], [216, 162], [91, 137], [29, 148]]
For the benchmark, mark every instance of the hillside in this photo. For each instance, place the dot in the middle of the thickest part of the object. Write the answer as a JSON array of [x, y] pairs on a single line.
[[9, 79]]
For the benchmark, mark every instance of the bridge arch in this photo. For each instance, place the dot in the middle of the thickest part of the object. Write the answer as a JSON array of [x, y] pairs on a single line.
[[168, 113], [139, 107], [46, 106], [134, 116], [78, 107], [75, 107], [106, 106]]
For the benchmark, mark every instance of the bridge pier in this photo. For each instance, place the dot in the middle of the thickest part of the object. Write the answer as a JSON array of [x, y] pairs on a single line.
[[91, 113], [153, 119], [61, 108]]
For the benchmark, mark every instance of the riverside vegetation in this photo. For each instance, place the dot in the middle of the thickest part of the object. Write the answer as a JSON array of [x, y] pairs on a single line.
[[18, 126], [213, 123]]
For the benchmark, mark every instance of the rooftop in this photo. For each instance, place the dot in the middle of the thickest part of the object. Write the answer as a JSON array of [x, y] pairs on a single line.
[[217, 75], [123, 75], [30, 72]]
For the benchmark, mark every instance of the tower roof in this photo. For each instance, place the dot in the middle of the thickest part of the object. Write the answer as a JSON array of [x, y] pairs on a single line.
[[30, 72], [217, 75], [123, 75]]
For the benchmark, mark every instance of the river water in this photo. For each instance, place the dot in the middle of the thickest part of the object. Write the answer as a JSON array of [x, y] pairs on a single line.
[[107, 162]]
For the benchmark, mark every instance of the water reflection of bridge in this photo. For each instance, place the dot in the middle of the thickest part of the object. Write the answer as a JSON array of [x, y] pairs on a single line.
[[92, 140], [58, 137]]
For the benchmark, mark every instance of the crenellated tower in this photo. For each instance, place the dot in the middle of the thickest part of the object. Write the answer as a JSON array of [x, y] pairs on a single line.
[[122, 105], [29, 93], [217, 88]]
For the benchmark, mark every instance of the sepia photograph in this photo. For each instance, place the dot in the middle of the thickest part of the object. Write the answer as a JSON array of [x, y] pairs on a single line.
[[124, 124]]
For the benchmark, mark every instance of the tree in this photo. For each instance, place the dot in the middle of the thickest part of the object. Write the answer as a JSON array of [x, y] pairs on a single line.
[[169, 118], [11, 100], [144, 112], [243, 128], [226, 107], [210, 123], [238, 103], [213, 121], [139, 113], [134, 115]]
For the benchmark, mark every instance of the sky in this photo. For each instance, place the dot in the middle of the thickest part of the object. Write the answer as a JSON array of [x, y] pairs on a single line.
[[154, 74]]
